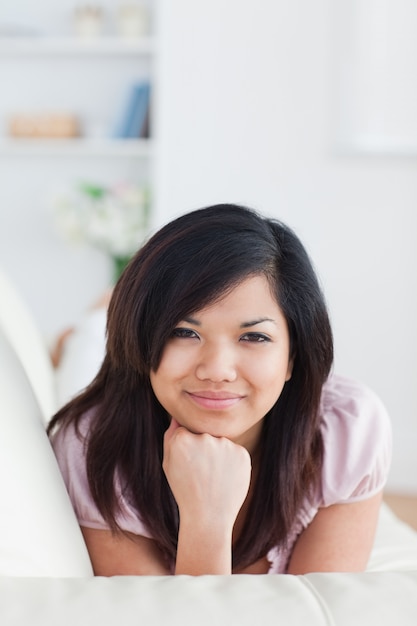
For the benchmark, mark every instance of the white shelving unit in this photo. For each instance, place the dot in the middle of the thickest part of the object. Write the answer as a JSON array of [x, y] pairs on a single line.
[[109, 148], [46, 69], [115, 46], [21, 48]]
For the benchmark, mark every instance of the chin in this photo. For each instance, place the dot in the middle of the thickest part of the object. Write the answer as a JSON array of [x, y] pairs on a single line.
[[205, 428]]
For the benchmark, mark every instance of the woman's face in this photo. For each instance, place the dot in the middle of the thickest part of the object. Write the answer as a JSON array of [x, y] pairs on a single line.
[[225, 366]]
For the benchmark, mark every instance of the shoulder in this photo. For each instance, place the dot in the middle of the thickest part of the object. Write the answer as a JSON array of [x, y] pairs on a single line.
[[70, 447], [356, 433]]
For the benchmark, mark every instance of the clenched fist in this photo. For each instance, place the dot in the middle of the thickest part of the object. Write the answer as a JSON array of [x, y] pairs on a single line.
[[209, 476]]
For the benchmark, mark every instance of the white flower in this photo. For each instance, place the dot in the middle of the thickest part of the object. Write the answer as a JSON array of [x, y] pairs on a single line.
[[114, 220]]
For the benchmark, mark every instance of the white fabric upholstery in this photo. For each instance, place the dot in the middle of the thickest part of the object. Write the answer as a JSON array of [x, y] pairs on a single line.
[[395, 547], [82, 355], [39, 534], [18, 325], [372, 599]]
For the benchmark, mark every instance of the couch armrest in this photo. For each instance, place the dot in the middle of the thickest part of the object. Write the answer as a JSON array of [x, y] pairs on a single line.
[[39, 534]]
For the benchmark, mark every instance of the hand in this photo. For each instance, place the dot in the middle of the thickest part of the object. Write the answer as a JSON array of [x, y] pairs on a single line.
[[209, 476]]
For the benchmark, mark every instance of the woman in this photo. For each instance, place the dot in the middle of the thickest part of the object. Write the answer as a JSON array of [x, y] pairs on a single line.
[[212, 440]]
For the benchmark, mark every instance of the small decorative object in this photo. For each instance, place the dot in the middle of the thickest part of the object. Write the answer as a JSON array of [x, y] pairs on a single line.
[[114, 220], [88, 21], [135, 122], [132, 20], [44, 125]]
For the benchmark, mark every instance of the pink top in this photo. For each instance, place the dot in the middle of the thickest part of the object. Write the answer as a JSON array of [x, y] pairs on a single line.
[[357, 453]]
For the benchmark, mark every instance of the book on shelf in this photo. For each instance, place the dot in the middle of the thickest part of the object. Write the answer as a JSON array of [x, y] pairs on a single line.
[[135, 121]]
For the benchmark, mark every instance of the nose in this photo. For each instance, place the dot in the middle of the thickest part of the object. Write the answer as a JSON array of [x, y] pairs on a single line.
[[217, 363]]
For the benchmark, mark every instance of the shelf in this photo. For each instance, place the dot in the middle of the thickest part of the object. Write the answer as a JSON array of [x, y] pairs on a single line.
[[115, 46], [132, 148]]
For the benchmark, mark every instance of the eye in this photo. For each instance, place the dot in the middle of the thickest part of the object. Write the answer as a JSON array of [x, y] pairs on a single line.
[[184, 333], [255, 338]]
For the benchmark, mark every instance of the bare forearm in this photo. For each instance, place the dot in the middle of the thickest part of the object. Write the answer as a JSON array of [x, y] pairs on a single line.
[[209, 478], [203, 550]]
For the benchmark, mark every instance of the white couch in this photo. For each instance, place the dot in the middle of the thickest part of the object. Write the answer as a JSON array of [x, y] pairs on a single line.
[[46, 577]]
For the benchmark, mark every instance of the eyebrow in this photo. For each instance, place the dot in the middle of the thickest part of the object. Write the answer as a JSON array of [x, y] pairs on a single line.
[[248, 324], [257, 321]]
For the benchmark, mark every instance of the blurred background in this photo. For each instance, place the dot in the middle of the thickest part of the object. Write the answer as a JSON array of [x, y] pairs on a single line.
[[304, 110]]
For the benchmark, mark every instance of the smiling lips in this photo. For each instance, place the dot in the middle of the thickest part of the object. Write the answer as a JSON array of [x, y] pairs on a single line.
[[219, 400]]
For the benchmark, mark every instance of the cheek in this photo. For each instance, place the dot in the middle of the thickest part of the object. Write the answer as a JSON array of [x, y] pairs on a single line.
[[269, 378], [174, 364], [270, 370]]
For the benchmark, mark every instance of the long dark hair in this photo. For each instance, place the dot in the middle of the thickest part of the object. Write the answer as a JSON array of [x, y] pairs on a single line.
[[190, 262]]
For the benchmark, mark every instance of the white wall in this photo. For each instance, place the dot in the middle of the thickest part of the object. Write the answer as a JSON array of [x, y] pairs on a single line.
[[247, 94]]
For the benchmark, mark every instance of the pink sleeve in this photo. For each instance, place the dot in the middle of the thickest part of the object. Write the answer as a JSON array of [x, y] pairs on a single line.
[[70, 452], [357, 442]]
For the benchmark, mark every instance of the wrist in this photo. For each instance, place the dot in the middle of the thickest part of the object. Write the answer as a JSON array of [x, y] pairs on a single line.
[[203, 548]]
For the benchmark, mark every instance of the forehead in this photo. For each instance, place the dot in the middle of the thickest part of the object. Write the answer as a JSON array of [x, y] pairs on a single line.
[[253, 294]]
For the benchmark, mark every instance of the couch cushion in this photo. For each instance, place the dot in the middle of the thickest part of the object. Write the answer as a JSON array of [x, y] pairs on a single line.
[[39, 535], [19, 327]]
